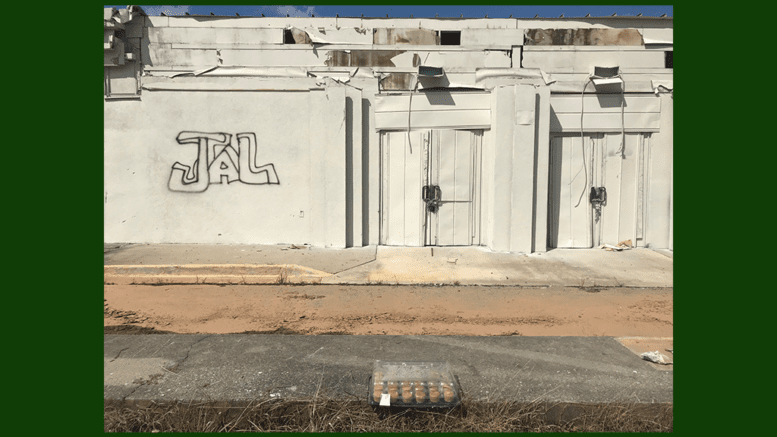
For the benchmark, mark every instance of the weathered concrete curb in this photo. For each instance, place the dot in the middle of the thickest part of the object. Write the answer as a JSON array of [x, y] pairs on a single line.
[[212, 274], [386, 265], [263, 274]]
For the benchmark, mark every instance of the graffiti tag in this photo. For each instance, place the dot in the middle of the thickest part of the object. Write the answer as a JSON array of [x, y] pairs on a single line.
[[217, 160]]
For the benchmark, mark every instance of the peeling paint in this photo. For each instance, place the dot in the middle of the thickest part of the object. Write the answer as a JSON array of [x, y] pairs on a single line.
[[337, 58], [392, 36], [364, 58], [584, 37], [397, 81], [300, 36]]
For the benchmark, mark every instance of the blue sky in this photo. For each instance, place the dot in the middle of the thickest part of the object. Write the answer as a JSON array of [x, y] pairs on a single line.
[[400, 11]]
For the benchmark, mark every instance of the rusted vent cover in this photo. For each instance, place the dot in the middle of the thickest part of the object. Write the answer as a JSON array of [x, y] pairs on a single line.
[[419, 384]]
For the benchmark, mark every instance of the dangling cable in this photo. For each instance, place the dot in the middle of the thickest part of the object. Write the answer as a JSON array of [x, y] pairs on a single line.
[[582, 141], [409, 106], [622, 149]]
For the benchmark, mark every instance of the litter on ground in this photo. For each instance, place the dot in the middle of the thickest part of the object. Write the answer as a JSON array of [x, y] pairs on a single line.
[[625, 244], [655, 357]]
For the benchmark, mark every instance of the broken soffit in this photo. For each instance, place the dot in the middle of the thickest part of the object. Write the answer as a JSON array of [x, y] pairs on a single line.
[[395, 36], [324, 35], [583, 37], [658, 36]]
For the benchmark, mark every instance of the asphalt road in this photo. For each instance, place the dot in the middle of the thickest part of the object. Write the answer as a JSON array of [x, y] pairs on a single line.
[[243, 367]]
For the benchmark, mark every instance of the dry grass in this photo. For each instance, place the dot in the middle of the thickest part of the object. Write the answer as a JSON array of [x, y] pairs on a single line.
[[331, 415], [283, 276]]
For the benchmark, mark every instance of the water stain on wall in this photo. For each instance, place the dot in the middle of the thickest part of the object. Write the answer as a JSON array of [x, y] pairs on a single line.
[[583, 37], [365, 58], [391, 36]]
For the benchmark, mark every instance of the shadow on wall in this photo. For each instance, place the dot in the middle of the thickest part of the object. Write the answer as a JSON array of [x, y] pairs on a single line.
[[366, 172], [613, 100], [440, 97], [349, 194], [554, 194], [555, 123], [536, 159]]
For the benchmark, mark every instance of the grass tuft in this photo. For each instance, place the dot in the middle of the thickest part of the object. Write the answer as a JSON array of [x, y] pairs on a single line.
[[323, 414], [283, 276]]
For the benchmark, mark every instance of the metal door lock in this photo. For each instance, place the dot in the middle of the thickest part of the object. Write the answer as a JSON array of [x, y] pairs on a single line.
[[432, 195], [598, 195]]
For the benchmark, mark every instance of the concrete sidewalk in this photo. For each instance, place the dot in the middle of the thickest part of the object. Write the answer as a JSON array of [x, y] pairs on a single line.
[[262, 264], [242, 367]]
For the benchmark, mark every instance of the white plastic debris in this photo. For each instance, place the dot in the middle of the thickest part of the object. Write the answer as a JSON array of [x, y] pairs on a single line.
[[625, 244], [655, 357]]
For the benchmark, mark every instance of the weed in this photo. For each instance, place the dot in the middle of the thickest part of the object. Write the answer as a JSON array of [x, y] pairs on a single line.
[[283, 276], [322, 413]]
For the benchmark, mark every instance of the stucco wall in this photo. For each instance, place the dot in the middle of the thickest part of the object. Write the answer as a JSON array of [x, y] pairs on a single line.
[[515, 170], [301, 133], [659, 217]]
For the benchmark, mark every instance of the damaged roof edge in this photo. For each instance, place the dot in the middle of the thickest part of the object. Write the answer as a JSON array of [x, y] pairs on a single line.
[[122, 16], [139, 11]]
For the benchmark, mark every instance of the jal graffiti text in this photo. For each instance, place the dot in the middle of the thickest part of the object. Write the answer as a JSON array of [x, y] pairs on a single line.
[[217, 160]]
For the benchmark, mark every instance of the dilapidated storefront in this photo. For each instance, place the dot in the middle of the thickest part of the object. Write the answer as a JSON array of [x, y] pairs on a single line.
[[519, 135]]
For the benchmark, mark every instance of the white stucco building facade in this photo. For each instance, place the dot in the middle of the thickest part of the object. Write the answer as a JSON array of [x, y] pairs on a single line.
[[519, 135]]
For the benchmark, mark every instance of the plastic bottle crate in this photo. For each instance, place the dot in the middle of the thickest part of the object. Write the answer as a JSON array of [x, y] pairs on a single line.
[[413, 384]]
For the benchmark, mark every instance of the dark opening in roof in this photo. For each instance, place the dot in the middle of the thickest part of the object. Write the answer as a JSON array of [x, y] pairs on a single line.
[[288, 37], [450, 38]]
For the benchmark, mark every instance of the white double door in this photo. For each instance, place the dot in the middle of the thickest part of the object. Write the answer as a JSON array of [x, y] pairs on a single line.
[[598, 160], [429, 186]]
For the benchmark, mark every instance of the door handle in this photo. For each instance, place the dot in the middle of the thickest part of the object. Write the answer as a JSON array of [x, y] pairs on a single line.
[[431, 194]]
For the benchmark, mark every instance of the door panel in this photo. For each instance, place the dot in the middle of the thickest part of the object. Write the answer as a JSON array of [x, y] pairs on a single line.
[[455, 165], [443, 158], [620, 174], [571, 224], [451, 164], [570, 210], [402, 209]]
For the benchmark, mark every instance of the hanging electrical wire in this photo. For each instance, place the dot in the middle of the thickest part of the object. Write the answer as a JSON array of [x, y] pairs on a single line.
[[622, 149], [582, 141], [409, 107]]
